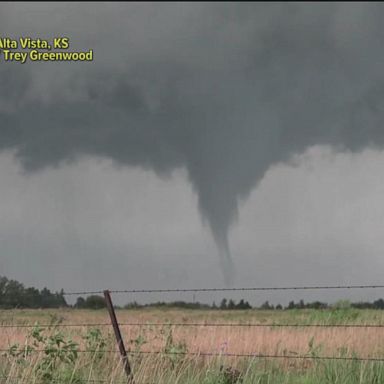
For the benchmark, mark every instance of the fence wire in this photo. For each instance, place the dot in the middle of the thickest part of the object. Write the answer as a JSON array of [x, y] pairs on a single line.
[[245, 325], [212, 354], [223, 289]]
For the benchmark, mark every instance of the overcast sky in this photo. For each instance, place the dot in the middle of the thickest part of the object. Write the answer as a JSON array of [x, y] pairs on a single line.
[[206, 145]]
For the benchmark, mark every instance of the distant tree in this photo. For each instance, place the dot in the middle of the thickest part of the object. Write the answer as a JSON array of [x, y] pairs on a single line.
[[243, 305], [95, 302], [33, 298], [14, 295], [48, 300], [231, 304], [279, 306], [3, 290], [378, 304], [61, 298], [266, 305], [316, 305], [132, 305], [291, 305], [80, 302], [223, 304], [364, 305]]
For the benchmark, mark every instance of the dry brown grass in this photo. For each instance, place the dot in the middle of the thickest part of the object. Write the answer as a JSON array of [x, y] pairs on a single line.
[[237, 340]]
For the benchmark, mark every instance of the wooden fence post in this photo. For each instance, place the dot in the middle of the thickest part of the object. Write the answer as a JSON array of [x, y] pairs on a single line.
[[119, 339]]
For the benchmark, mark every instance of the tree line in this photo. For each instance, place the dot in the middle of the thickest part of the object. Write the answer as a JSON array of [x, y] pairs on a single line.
[[97, 302], [15, 295]]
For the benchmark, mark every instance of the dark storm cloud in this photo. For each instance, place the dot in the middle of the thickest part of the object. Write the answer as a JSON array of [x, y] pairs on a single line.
[[222, 90]]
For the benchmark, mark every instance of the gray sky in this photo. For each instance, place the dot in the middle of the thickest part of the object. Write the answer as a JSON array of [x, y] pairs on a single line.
[[242, 141]]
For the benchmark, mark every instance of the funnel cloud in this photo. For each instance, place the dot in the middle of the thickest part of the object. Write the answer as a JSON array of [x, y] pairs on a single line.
[[223, 91]]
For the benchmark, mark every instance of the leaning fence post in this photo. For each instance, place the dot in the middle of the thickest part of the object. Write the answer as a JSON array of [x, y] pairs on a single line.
[[119, 339]]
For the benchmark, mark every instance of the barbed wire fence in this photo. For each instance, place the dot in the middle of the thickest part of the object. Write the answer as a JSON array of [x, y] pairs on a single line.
[[124, 354]]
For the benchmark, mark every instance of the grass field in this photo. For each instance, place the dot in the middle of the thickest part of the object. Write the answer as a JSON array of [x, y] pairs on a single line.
[[55, 353]]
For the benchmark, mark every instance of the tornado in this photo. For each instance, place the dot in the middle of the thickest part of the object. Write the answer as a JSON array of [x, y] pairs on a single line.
[[223, 91]]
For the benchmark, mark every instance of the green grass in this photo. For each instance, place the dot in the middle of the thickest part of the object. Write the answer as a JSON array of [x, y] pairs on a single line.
[[192, 372]]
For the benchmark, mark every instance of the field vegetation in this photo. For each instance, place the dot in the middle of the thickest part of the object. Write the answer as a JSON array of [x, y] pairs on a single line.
[[204, 353]]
